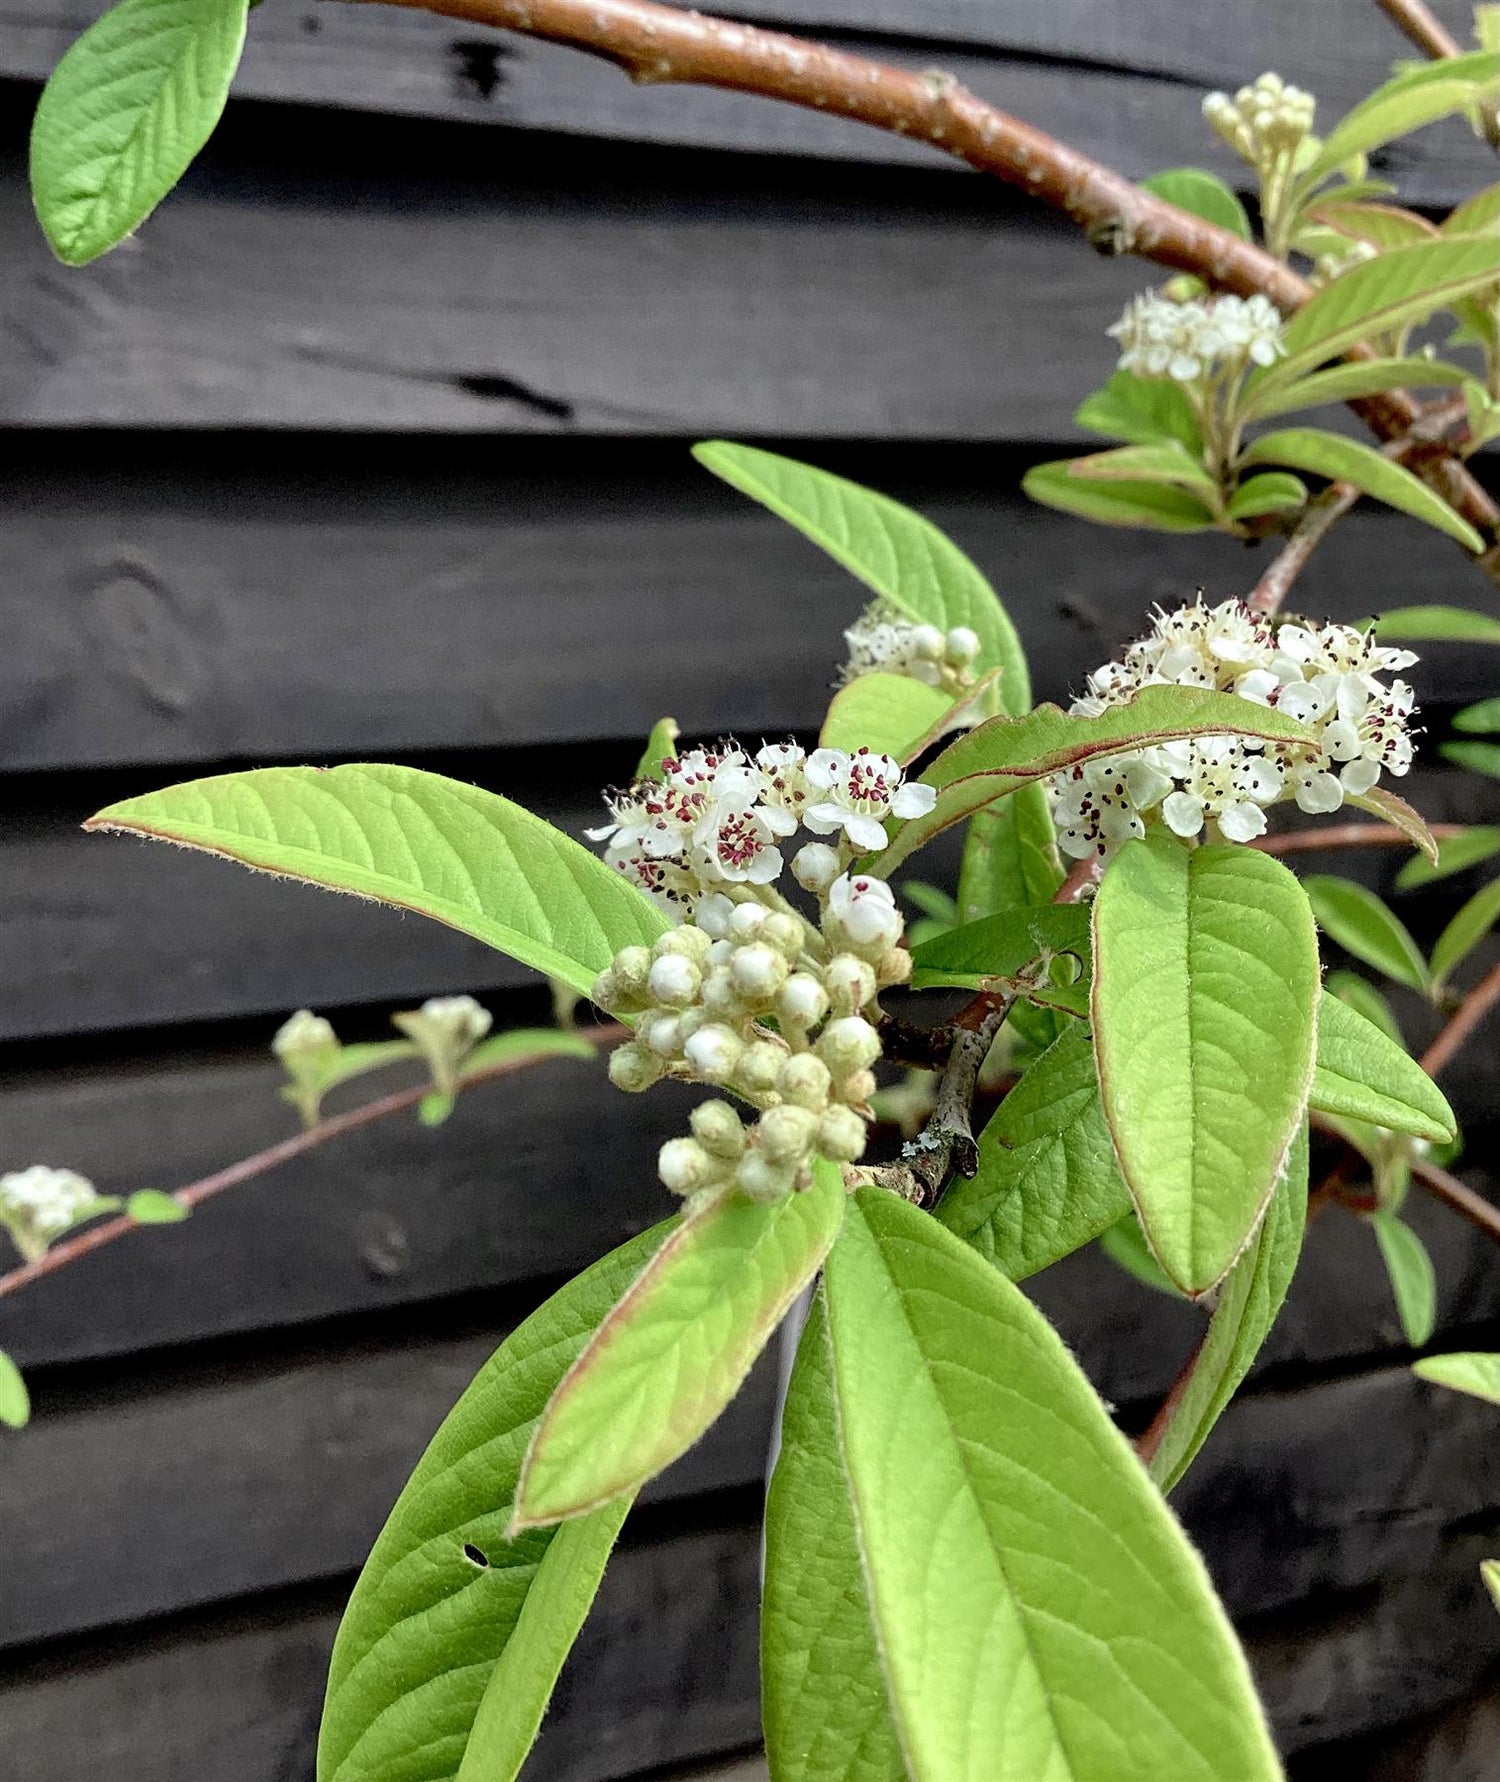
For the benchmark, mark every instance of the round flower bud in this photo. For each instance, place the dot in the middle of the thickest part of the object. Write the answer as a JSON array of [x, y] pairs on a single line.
[[803, 1001], [684, 1166], [758, 971], [631, 968], [714, 1052], [848, 1044], [759, 1179], [674, 981], [783, 932], [718, 1128], [927, 643], [841, 1135], [864, 910], [720, 997], [850, 984], [961, 646], [686, 942], [712, 914], [815, 867], [605, 991], [786, 1133], [634, 1069], [690, 1020], [662, 1034], [746, 922], [893, 968], [858, 1087], [759, 1067], [804, 1080]]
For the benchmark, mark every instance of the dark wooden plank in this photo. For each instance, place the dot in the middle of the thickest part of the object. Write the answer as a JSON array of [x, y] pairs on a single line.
[[1124, 86], [179, 605], [1459, 1745]]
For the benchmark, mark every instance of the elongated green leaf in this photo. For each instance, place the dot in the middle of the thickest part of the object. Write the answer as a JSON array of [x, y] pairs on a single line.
[[1004, 754], [825, 1710], [896, 552], [1363, 1074], [15, 1400], [888, 712], [1481, 718], [461, 855], [1399, 814], [1116, 503], [1425, 624], [524, 1043], [1001, 946], [1478, 215], [1124, 1243], [1384, 226], [1388, 292], [1362, 996], [444, 1592], [1366, 927], [1405, 103], [1010, 856], [1038, 1611], [1204, 194], [149, 1206], [1455, 853], [1205, 999], [1360, 377], [1141, 410], [1413, 1283], [1273, 492], [1331, 455], [1467, 929], [660, 745], [675, 1349], [1469, 1371], [1478, 757], [1247, 1306], [125, 112], [1164, 461], [1047, 1180]]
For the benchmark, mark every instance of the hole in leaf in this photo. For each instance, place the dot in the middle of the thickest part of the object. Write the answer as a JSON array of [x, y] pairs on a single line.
[[475, 1557]]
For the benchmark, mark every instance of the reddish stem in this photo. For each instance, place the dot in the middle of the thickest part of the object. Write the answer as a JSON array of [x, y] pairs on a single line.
[[1462, 1022], [1349, 835], [1459, 1196]]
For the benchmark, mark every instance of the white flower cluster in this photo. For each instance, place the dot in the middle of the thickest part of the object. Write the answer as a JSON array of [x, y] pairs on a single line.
[[1263, 121], [883, 640], [39, 1204], [758, 1001], [1325, 676], [717, 816], [1191, 340]]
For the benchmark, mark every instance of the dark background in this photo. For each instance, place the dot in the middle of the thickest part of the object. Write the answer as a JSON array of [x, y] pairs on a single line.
[[374, 445]]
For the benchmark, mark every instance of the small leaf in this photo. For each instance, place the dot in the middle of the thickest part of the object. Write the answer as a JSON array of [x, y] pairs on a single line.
[[675, 1349], [1364, 1074], [1204, 194], [1361, 995], [892, 550], [1413, 1283], [1342, 383], [1247, 1306], [1433, 624], [1047, 1180], [1469, 1371], [1384, 226], [435, 1107], [1162, 462], [1489, 1576], [1480, 719], [522, 1044], [1002, 946], [1479, 215], [1124, 1243], [1478, 757], [1399, 814], [126, 110], [1273, 492], [1455, 854], [1010, 856], [1415, 97], [890, 713], [1331, 455], [1205, 996], [453, 852], [149, 1206], [1467, 929], [1364, 926], [1116, 504], [15, 1400], [935, 904], [1141, 410], [660, 745]]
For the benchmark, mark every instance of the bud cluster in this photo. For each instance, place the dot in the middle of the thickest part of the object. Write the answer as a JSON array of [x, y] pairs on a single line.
[[40, 1204], [1264, 122], [883, 640], [1196, 339]]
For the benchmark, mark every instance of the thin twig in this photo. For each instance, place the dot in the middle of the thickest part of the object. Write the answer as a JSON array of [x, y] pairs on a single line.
[[1152, 1437], [1349, 835], [1448, 1189], [1434, 39], [1320, 516], [1462, 1022], [95, 1237]]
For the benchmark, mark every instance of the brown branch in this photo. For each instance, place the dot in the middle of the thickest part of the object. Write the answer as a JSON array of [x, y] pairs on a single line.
[[1349, 835], [653, 43], [1319, 518], [1462, 1022], [1458, 1195], [95, 1237]]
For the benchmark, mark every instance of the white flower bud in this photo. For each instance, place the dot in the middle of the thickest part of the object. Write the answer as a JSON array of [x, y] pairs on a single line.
[[783, 932], [746, 922], [961, 646], [714, 1052], [858, 1087], [864, 912], [815, 867], [662, 1034], [786, 1133], [759, 1179], [634, 1069], [302, 1035], [848, 1044], [458, 1019], [712, 914], [631, 968], [687, 942], [674, 981], [758, 971], [850, 984], [684, 1166], [893, 968], [928, 642], [759, 1067], [606, 992], [841, 1135], [803, 1001], [719, 1129], [720, 997], [804, 1080]]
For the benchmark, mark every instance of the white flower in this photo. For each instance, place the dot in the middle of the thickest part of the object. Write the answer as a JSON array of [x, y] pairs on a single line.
[[859, 792], [1187, 341], [40, 1203], [866, 911], [735, 841]]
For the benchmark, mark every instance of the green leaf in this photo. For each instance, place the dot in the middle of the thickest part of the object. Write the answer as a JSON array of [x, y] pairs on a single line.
[[1331, 455], [1010, 856], [342, 1064], [444, 1591], [1342, 383], [1467, 929], [149, 1206], [1205, 996], [1415, 97], [1004, 754], [1362, 1073], [890, 713], [1038, 1611], [1455, 853], [1364, 926], [1479, 719], [1124, 1243], [461, 855], [1116, 504], [1478, 757], [1479, 215], [1047, 1180], [1246, 1308], [674, 1350], [935, 904], [1384, 226], [1204, 194], [892, 550], [1164, 461], [1001, 946], [1273, 492], [1378, 802], [125, 112], [660, 745], [1469, 1371], [1361, 995], [825, 1710], [15, 1400], [1141, 410], [1413, 1283], [523, 1044], [1427, 624], [1489, 1575]]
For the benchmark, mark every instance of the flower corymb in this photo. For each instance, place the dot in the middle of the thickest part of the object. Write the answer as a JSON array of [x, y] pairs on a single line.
[[1190, 341]]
